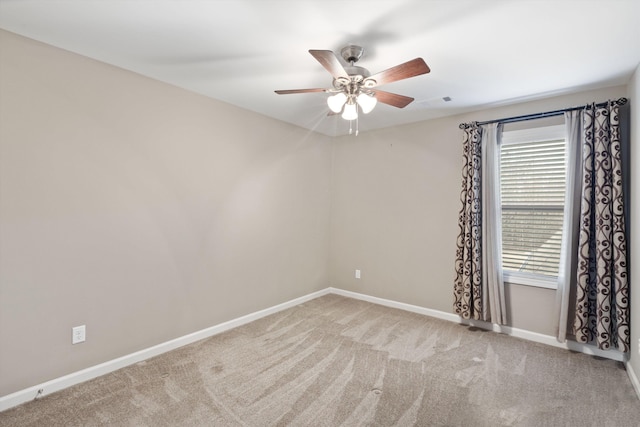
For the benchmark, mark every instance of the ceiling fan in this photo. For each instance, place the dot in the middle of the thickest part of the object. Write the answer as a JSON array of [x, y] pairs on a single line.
[[354, 86]]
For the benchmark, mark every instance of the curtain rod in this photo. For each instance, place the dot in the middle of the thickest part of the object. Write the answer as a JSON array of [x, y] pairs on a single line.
[[620, 101]]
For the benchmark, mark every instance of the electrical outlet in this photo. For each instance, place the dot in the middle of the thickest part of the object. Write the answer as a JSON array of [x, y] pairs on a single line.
[[78, 334], [357, 274]]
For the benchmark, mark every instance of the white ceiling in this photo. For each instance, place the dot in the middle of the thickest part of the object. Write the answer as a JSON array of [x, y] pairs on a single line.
[[481, 52]]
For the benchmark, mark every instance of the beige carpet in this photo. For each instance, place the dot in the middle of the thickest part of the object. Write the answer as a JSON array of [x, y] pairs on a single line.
[[336, 361]]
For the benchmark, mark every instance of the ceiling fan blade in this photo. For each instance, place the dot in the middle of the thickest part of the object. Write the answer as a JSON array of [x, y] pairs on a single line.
[[330, 62], [290, 91], [392, 99], [412, 68]]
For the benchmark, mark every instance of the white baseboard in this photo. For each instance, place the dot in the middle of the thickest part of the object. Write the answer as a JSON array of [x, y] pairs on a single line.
[[394, 304], [633, 377], [78, 377], [57, 384], [508, 330]]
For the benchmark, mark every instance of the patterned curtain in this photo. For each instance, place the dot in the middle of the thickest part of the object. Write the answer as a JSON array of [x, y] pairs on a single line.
[[602, 294], [479, 286], [468, 282]]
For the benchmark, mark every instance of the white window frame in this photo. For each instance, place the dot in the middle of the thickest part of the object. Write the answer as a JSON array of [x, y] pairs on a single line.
[[540, 134]]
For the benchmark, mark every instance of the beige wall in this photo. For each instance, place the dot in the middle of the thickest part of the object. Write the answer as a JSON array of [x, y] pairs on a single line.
[[395, 204], [634, 260], [141, 210], [147, 212]]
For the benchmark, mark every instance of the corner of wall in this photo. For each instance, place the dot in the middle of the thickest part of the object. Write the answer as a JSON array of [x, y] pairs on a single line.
[[633, 365]]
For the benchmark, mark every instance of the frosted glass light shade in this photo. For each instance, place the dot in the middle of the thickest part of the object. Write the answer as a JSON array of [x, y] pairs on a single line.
[[366, 102], [350, 112], [335, 102]]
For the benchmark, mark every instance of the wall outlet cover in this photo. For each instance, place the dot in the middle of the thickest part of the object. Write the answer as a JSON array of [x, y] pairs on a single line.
[[78, 334]]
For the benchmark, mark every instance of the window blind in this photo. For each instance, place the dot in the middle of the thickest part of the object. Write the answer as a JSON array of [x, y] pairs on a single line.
[[532, 180]]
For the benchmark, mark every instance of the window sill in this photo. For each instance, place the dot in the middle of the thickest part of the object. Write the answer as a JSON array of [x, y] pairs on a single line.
[[529, 280]]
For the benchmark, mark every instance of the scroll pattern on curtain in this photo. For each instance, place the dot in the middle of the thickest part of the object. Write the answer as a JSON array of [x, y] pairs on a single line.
[[602, 294], [468, 282]]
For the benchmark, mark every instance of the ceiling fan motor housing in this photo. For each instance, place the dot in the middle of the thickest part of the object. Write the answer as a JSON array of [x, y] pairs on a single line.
[[354, 70], [351, 54]]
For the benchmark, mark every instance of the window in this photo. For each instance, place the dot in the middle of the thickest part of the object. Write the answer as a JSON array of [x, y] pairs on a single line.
[[532, 186]]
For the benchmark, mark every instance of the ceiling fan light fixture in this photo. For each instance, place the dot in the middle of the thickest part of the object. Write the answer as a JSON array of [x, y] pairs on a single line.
[[350, 111], [367, 102], [335, 102], [354, 87]]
